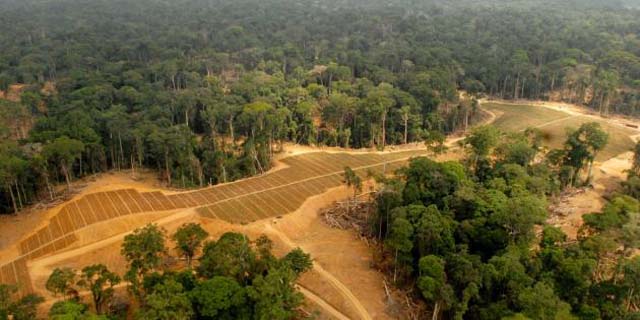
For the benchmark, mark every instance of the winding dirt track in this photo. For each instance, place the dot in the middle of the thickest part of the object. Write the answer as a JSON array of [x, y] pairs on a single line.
[[346, 293], [322, 303]]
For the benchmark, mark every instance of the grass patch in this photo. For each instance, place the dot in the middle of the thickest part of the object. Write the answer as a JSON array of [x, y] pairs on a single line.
[[554, 125], [519, 117]]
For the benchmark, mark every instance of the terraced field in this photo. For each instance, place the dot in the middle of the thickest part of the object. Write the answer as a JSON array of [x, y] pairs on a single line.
[[554, 125], [274, 194], [15, 272]]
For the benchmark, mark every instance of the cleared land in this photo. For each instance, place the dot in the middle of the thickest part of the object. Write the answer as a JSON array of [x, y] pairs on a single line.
[[270, 195], [75, 233], [554, 125], [511, 117]]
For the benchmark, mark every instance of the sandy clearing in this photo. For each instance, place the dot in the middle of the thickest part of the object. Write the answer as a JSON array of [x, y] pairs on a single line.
[[570, 208], [14, 228], [341, 258], [331, 290], [346, 293]]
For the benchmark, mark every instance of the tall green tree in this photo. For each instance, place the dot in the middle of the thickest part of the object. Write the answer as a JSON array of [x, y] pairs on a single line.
[[220, 298], [100, 282], [351, 179], [230, 256], [401, 242], [64, 152], [481, 142], [188, 239], [433, 284], [298, 261], [274, 295], [167, 301], [582, 147], [144, 250], [540, 302], [12, 165], [61, 281]]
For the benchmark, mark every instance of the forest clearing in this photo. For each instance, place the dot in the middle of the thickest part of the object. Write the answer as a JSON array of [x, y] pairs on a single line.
[[283, 203], [76, 224], [333, 159], [554, 122]]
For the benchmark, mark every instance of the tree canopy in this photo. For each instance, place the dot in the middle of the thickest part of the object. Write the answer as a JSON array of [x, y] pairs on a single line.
[[234, 278], [210, 94], [464, 237]]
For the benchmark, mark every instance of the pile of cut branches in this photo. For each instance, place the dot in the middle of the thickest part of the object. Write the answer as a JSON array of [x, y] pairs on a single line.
[[355, 215], [349, 215]]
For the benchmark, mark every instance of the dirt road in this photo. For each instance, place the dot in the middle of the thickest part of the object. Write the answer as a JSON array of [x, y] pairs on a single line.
[[346, 292], [322, 303]]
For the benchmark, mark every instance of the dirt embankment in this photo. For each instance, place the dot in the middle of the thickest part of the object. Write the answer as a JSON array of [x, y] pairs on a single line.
[[14, 227]]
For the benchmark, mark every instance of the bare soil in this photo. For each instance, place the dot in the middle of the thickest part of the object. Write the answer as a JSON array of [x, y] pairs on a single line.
[[13, 93], [567, 211], [341, 285], [14, 227]]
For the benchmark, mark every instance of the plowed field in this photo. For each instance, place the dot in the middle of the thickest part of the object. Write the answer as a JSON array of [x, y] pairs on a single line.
[[274, 194]]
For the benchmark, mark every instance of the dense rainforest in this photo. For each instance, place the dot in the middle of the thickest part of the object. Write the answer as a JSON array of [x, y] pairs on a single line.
[[206, 91], [471, 240]]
